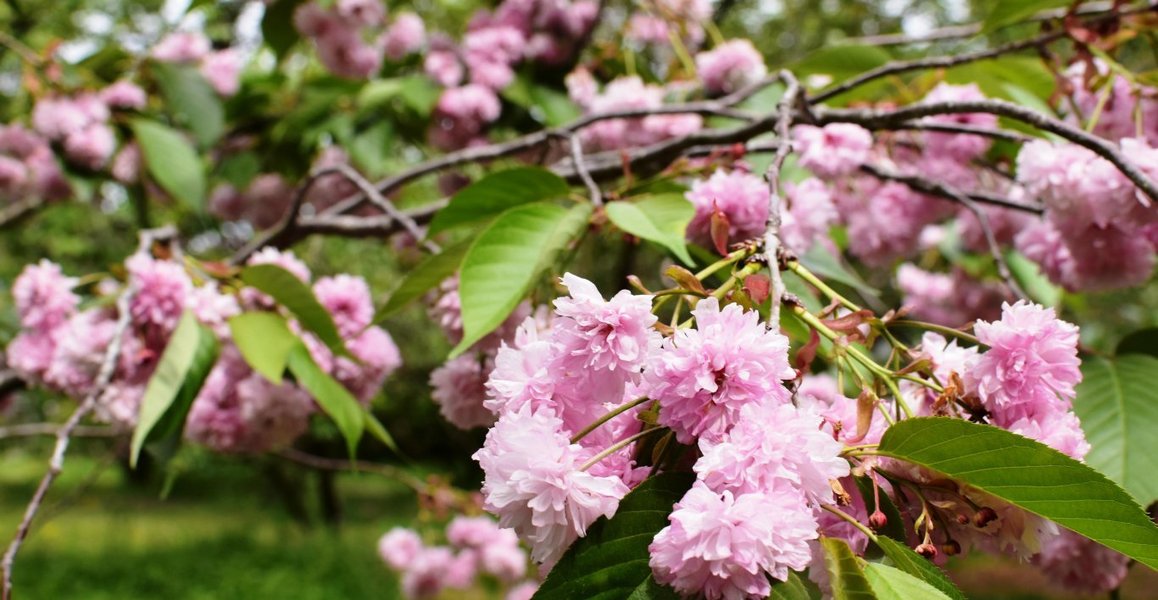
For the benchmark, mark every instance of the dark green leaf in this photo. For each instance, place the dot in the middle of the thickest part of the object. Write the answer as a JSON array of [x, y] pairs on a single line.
[[842, 62], [334, 399], [188, 356], [277, 26], [662, 219], [652, 590], [496, 193], [192, 101], [264, 340], [1143, 341], [1117, 403], [903, 558], [895, 528], [612, 560], [1030, 475], [171, 161], [894, 584], [824, 264], [844, 571], [502, 265], [425, 276], [299, 299], [379, 432]]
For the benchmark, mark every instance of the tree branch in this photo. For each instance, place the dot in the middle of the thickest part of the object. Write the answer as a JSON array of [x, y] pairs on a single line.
[[927, 186], [772, 226]]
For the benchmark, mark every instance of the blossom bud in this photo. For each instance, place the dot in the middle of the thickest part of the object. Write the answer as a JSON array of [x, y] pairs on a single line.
[[951, 548], [878, 520], [927, 550]]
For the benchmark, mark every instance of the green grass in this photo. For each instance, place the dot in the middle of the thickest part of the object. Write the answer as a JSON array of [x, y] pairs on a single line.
[[222, 538]]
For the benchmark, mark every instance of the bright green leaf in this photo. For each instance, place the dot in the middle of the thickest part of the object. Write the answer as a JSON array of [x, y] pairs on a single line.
[[662, 219], [496, 193], [611, 561], [264, 340], [844, 571], [425, 276], [370, 149], [334, 399], [918, 566], [824, 264], [552, 107], [420, 94], [889, 583], [192, 101], [299, 299], [843, 61], [184, 364], [794, 588], [379, 432], [1030, 475], [171, 160], [1117, 403], [504, 261]]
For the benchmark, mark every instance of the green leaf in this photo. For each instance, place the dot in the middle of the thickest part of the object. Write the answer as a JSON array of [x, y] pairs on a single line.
[[379, 432], [843, 62], [918, 566], [335, 400], [171, 160], [277, 26], [611, 561], [420, 94], [889, 583], [425, 276], [378, 92], [552, 107], [496, 193], [650, 589], [1030, 475], [370, 149], [264, 340], [662, 219], [188, 356], [299, 299], [895, 528], [794, 588], [1035, 283], [1008, 12], [1117, 403], [192, 101], [844, 571], [502, 265]]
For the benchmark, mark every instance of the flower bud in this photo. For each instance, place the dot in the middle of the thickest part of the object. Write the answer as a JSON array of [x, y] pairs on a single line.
[[951, 548], [984, 516], [927, 550], [878, 520]]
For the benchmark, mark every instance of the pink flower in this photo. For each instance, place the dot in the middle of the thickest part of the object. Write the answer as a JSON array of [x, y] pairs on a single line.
[[496, 549], [962, 147], [1059, 430], [703, 377], [80, 348], [126, 167], [523, 591], [222, 69], [741, 197], [722, 545], [462, 113], [347, 298], [443, 67], [213, 308], [1081, 565], [834, 150], [284, 259], [181, 47], [795, 454], [730, 66], [91, 147], [612, 335], [30, 353], [400, 547], [521, 375], [581, 86], [124, 94], [808, 216], [534, 485], [1031, 366], [948, 299], [643, 28], [886, 223], [459, 390], [44, 296], [56, 117], [406, 35], [428, 573], [162, 291], [378, 357]]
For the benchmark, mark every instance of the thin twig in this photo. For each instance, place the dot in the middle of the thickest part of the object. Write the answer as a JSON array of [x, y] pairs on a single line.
[[928, 186], [386, 205], [888, 119], [50, 429], [17, 211], [942, 190], [581, 167], [772, 176], [343, 465], [276, 235]]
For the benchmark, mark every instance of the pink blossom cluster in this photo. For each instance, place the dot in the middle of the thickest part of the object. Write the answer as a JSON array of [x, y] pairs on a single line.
[[221, 68], [477, 547], [262, 203], [62, 347], [80, 124], [730, 67], [624, 94], [28, 168], [1127, 110], [953, 299], [1095, 232], [351, 36], [682, 18]]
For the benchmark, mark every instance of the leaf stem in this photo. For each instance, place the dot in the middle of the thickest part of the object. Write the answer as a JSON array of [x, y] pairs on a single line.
[[615, 412], [855, 523], [617, 446]]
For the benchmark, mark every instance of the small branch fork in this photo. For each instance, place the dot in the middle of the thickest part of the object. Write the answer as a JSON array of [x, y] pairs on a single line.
[[65, 431], [786, 112]]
